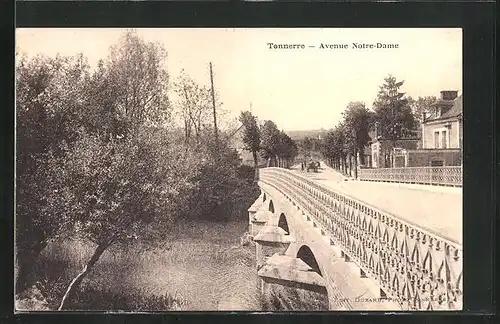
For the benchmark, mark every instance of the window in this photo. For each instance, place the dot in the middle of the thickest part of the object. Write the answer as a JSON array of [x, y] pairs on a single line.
[[436, 139], [443, 139]]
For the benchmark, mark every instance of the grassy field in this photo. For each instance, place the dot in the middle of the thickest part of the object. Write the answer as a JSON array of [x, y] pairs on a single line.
[[200, 266]]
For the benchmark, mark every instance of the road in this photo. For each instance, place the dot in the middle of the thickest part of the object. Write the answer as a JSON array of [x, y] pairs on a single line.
[[436, 209]]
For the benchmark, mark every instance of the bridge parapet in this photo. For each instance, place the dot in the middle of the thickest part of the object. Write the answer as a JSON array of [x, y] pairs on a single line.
[[442, 176], [419, 268]]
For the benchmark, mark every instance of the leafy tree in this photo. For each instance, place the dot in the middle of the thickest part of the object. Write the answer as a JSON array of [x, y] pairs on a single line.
[[270, 141], [421, 106], [195, 105], [251, 136], [112, 191], [327, 149], [288, 150], [357, 121], [307, 145], [49, 97], [338, 146], [140, 81], [392, 112]]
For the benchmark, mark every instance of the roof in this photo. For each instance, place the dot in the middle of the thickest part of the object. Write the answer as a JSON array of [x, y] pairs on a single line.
[[455, 110]]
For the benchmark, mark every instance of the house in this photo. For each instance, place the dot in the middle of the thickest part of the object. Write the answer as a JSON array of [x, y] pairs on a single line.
[[442, 132], [443, 129]]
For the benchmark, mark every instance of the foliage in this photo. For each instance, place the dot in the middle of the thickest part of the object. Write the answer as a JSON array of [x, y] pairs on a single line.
[[421, 106], [49, 96], [251, 137], [392, 112], [357, 121], [276, 145], [288, 149], [270, 140], [140, 81], [195, 105]]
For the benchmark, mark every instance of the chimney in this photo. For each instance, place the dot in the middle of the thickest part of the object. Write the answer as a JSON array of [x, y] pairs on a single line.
[[449, 94]]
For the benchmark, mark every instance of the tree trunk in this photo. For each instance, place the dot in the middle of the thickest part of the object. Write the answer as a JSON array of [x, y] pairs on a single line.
[[350, 165], [355, 163], [75, 283], [361, 156], [255, 165]]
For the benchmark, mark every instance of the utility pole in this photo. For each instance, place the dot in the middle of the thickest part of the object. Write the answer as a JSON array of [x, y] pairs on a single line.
[[213, 103]]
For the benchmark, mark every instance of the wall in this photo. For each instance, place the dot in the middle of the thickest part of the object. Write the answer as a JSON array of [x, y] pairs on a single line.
[[419, 158]]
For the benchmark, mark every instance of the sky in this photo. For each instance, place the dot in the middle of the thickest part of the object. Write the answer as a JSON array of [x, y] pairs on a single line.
[[299, 89]]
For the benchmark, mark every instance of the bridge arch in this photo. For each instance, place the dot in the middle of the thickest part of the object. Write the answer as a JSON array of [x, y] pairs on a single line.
[[271, 206], [306, 255], [282, 223]]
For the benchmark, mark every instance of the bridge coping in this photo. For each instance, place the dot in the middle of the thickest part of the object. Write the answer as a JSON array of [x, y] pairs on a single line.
[[292, 275]]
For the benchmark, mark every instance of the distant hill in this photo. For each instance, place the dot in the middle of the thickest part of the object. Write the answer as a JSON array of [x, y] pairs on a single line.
[[301, 134]]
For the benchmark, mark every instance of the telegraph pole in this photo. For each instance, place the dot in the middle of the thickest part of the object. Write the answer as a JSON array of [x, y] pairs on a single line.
[[213, 103]]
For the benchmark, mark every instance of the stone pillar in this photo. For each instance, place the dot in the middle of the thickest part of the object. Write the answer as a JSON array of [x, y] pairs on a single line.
[[259, 220], [269, 241], [252, 211], [258, 255]]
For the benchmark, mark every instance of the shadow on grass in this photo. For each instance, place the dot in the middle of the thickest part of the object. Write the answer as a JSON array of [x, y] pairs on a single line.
[[290, 299]]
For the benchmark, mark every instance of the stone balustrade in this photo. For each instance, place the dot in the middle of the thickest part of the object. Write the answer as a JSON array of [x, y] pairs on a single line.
[[420, 269], [443, 176]]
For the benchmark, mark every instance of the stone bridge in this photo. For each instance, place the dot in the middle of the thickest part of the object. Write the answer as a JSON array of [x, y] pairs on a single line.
[[360, 258]]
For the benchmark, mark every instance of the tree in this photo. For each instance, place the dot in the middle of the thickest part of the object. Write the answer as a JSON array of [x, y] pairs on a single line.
[[114, 191], [251, 136], [392, 112], [270, 141], [140, 81], [338, 145], [194, 106], [307, 144], [357, 121], [49, 97], [421, 106], [287, 151]]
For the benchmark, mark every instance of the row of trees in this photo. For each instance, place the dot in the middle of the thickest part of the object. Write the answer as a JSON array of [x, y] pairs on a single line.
[[394, 116], [101, 159], [267, 140]]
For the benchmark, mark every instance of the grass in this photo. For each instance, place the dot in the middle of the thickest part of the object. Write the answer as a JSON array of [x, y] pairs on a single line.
[[200, 266], [290, 299]]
